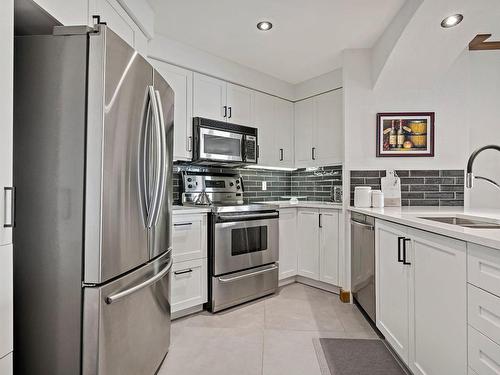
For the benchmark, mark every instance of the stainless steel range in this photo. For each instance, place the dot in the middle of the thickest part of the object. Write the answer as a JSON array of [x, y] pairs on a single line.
[[243, 238]]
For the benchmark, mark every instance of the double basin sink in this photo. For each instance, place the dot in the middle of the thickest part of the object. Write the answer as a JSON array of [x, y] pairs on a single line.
[[464, 222]]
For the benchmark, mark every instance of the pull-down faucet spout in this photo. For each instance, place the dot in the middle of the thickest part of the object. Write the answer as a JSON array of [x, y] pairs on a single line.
[[469, 179]]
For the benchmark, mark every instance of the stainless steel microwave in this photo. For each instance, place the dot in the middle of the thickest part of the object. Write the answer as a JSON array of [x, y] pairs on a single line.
[[217, 142]]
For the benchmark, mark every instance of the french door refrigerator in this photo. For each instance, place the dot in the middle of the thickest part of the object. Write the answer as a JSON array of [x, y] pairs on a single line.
[[93, 176]]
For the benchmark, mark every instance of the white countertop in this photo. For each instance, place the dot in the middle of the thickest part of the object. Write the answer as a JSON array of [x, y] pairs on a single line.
[[306, 204], [177, 209], [410, 216]]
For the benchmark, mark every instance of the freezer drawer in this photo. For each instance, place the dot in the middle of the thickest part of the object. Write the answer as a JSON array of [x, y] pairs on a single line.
[[126, 323], [238, 287]]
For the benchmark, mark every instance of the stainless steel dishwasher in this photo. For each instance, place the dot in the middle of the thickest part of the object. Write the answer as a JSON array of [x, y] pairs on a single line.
[[363, 262]]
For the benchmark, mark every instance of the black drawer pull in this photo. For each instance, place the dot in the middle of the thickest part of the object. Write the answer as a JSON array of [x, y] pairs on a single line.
[[182, 224], [183, 272], [400, 258], [404, 252]]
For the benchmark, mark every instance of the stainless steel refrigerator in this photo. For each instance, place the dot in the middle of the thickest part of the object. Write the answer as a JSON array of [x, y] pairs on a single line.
[[93, 176]]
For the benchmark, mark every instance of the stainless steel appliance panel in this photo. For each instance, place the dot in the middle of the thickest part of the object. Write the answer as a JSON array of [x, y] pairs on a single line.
[[160, 236], [239, 287], [116, 234], [363, 262], [49, 164], [126, 323], [245, 240], [220, 145]]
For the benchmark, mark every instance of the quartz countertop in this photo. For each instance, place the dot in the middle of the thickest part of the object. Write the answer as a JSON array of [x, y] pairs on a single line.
[[306, 204], [178, 209], [411, 216]]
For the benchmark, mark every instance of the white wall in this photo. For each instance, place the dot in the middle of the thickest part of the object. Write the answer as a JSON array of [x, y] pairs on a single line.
[[180, 54], [484, 124], [362, 104]]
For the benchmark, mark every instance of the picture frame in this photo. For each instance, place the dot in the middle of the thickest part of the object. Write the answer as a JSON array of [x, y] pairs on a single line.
[[405, 134]]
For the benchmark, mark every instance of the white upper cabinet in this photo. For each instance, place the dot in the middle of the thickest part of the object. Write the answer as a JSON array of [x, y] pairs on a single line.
[[274, 119], [209, 98], [240, 105], [329, 128], [68, 12], [264, 122], [181, 81], [6, 105], [319, 130], [219, 100], [304, 129], [284, 132], [120, 22]]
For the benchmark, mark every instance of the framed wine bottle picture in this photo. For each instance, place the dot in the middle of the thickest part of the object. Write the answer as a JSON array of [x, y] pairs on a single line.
[[405, 134]]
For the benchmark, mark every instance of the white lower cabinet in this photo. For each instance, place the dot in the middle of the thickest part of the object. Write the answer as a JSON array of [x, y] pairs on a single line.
[[189, 273], [483, 265], [6, 367], [189, 237], [288, 243], [6, 300], [189, 284], [438, 304], [421, 298], [318, 254]]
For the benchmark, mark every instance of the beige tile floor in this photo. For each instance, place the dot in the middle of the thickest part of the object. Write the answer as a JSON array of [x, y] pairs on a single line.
[[273, 335]]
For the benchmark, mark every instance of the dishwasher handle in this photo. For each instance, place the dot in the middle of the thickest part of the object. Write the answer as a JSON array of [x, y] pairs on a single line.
[[366, 226]]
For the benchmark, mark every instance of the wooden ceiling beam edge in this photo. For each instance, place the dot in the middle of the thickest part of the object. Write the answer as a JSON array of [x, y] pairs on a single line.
[[479, 43]]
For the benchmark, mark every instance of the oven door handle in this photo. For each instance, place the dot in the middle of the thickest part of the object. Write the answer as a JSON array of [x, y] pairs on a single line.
[[229, 218], [224, 280]]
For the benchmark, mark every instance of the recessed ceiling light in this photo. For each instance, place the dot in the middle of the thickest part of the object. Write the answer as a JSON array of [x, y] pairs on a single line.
[[264, 26], [451, 21]]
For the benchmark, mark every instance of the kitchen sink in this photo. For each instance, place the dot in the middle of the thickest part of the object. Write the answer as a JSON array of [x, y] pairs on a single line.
[[463, 222]]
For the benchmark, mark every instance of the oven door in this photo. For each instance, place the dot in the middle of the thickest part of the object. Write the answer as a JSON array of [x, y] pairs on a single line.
[[245, 240], [220, 145]]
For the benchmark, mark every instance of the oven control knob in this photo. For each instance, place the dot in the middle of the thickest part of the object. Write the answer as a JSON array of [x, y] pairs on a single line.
[[190, 179], [238, 187], [231, 184], [190, 186]]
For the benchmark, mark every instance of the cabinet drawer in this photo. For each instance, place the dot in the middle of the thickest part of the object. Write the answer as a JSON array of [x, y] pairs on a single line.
[[484, 354], [189, 284], [484, 312], [483, 268], [189, 237]]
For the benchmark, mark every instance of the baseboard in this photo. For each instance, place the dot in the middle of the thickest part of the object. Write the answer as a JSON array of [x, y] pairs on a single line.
[[318, 284], [188, 311], [287, 281]]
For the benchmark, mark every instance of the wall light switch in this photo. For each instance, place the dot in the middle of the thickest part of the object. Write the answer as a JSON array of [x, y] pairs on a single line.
[[264, 185]]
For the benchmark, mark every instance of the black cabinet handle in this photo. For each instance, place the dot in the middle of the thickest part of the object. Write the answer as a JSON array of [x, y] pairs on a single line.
[[183, 272], [182, 224], [320, 223], [281, 154], [225, 111], [230, 112], [404, 252], [313, 153], [400, 258]]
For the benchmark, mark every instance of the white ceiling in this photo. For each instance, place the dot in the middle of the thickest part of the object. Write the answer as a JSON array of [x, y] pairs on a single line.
[[306, 41]]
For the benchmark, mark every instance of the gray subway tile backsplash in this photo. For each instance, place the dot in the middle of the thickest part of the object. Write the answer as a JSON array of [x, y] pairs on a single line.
[[418, 187], [279, 183]]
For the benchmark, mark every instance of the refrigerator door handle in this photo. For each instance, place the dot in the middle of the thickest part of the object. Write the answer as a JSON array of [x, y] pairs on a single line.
[[157, 155], [162, 173], [143, 165], [124, 293]]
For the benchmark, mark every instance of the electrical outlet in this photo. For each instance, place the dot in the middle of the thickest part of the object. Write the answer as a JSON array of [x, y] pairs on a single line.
[[264, 185]]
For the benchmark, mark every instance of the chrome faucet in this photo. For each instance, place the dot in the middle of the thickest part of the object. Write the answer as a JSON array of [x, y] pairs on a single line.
[[469, 179]]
